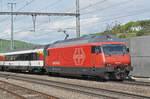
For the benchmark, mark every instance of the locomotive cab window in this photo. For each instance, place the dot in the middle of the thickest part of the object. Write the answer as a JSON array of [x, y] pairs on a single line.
[[114, 49], [96, 49]]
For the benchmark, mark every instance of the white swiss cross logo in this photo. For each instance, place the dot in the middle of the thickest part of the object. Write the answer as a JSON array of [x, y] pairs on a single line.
[[79, 56]]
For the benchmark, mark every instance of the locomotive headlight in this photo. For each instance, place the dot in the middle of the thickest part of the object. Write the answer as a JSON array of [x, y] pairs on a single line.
[[108, 65], [126, 64]]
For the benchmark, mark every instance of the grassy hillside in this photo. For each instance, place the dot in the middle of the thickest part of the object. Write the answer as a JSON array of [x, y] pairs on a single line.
[[5, 45], [131, 29]]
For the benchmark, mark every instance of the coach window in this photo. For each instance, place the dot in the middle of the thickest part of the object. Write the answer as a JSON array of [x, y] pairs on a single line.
[[11, 58], [38, 56], [96, 49], [34, 56], [14, 57], [18, 58], [26, 57], [29, 56], [21, 57], [7, 58]]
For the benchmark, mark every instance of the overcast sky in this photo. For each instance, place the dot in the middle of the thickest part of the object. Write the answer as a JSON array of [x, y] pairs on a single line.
[[95, 17]]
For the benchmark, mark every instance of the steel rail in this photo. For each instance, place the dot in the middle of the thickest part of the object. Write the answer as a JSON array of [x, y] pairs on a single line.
[[76, 87], [137, 83], [54, 84], [13, 86], [12, 93]]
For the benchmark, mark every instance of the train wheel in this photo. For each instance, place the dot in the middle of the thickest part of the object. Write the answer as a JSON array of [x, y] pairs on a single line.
[[49, 73], [107, 76], [119, 76], [3, 68]]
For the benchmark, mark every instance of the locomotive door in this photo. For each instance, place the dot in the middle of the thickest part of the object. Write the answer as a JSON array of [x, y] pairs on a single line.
[[96, 56]]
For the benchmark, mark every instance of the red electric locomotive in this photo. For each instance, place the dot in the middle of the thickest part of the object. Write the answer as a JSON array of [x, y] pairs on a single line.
[[102, 56]]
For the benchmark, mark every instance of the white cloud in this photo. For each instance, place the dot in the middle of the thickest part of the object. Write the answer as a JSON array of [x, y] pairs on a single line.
[[86, 3], [90, 23], [5, 34]]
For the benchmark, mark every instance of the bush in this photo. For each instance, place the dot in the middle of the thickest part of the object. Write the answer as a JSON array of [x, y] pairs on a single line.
[[139, 33], [122, 36]]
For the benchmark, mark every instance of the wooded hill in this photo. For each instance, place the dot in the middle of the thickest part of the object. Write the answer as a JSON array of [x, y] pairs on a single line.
[[5, 45], [131, 29]]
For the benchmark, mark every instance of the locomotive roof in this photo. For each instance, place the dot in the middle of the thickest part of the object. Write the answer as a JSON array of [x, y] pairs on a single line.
[[85, 40]]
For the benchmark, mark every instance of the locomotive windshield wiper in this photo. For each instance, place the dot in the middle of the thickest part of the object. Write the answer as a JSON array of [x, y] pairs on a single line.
[[123, 53], [109, 54]]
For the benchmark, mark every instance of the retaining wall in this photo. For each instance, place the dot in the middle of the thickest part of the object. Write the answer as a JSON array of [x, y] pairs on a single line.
[[140, 55]]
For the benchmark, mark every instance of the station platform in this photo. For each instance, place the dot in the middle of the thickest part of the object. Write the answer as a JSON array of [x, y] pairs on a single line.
[[141, 79]]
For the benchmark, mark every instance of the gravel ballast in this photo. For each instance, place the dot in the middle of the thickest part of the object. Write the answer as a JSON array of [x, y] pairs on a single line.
[[63, 94]]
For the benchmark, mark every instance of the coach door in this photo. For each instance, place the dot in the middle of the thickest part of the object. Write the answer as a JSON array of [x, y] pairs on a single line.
[[96, 56]]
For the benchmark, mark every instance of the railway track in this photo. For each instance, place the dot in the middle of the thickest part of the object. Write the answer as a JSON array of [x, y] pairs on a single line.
[[147, 84], [137, 83], [23, 93], [53, 84], [96, 92]]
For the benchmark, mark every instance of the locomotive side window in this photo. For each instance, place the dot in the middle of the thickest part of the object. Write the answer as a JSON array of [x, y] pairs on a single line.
[[96, 49], [47, 53]]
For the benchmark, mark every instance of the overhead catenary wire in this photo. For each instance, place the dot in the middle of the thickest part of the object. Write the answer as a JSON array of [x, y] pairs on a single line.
[[3, 20], [27, 29], [99, 2], [97, 22], [37, 34], [131, 14], [32, 0], [41, 9], [106, 8], [104, 16], [91, 5], [28, 3], [114, 14], [85, 18], [118, 17], [51, 5], [107, 19]]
